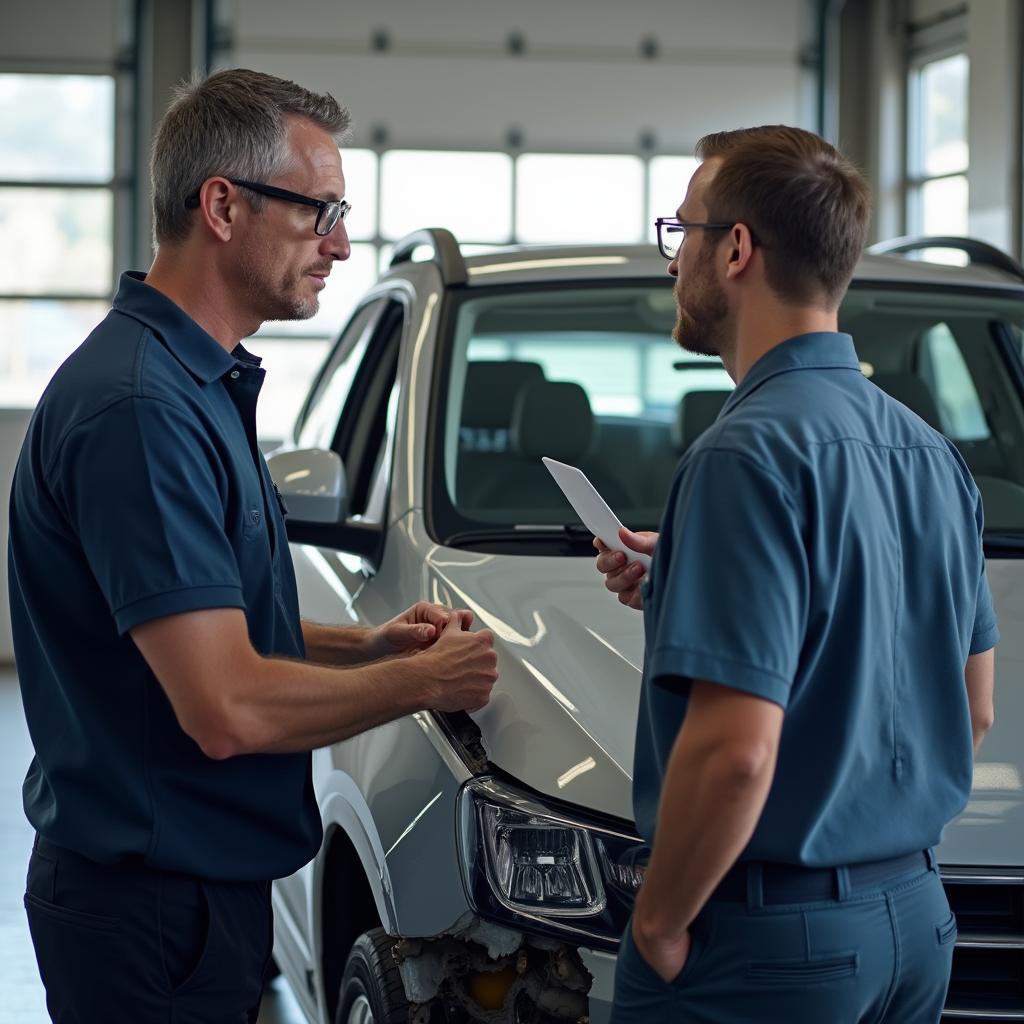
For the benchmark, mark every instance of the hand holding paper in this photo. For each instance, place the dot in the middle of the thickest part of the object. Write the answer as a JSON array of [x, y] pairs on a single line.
[[592, 509]]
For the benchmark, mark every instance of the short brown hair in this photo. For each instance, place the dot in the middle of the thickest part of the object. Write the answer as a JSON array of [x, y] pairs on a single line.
[[801, 198], [232, 123]]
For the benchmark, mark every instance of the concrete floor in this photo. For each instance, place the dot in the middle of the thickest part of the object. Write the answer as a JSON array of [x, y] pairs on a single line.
[[21, 994]]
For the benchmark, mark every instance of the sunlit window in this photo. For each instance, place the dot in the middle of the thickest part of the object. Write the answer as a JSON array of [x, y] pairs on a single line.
[[468, 193], [667, 179], [291, 365], [938, 154], [56, 240], [36, 336], [571, 198], [56, 222], [57, 128], [360, 169]]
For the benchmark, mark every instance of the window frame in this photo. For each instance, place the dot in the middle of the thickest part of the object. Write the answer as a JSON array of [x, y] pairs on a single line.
[[364, 427], [926, 48], [122, 185]]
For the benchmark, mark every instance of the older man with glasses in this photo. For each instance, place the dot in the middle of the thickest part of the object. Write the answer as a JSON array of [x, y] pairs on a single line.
[[172, 692]]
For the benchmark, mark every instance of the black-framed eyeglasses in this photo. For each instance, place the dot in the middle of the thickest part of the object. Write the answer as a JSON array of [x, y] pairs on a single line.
[[329, 211], [672, 233]]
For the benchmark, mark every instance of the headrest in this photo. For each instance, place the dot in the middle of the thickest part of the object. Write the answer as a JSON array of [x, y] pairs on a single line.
[[491, 390], [552, 418], [696, 411], [912, 392]]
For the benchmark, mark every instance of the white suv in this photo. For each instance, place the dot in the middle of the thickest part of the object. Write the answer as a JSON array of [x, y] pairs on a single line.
[[482, 867]]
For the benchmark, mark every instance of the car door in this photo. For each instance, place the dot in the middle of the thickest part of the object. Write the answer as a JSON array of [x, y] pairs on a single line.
[[351, 410]]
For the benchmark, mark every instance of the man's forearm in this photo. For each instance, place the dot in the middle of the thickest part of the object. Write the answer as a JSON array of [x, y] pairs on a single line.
[[289, 706], [710, 804], [337, 645]]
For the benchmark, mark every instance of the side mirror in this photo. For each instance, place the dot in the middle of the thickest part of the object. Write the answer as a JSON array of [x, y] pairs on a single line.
[[312, 483]]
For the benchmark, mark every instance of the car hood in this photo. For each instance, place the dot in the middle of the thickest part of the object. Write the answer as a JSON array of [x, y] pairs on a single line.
[[563, 712], [562, 718]]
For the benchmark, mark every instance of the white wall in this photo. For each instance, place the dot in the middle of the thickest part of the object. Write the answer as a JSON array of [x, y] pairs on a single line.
[[993, 124], [58, 30], [448, 81]]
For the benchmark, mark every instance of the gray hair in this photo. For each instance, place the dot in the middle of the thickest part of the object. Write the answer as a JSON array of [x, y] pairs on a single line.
[[230, 124]]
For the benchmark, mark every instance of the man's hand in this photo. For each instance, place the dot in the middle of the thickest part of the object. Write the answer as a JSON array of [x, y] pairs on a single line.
[[414, 630], [666, 957], [462, 667], [621, 578]]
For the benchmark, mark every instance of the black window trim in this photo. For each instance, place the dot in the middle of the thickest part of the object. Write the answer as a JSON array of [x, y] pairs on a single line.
[[365, 539]]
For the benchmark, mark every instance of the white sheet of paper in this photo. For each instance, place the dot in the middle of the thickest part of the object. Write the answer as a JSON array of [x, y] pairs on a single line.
[[592, 509]]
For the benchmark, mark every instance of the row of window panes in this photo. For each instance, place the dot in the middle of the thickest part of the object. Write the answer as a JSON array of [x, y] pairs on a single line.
[[59, 240], [938, 153], [558, 197], [56, 128], [940, 121]]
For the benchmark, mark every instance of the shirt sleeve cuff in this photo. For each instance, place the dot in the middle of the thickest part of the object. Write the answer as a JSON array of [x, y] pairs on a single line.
[[188, 599], [984, 639], [682, 661]]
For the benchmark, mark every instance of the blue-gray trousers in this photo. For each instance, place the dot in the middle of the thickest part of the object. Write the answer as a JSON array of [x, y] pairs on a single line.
[[877, 954]]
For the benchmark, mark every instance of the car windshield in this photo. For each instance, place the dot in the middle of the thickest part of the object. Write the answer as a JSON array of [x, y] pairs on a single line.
[[589, 375]]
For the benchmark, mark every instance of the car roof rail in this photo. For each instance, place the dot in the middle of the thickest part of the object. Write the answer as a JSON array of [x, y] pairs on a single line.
[[447, 254], [975, 250]]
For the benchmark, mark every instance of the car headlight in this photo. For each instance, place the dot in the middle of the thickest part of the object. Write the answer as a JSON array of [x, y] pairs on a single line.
[[546, 868]]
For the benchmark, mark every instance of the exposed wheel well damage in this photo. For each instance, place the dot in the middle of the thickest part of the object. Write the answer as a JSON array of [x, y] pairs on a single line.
[[482, 972]]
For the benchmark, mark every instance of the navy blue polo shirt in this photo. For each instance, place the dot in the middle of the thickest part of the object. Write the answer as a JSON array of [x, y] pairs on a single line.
[[140, 492], [821, 549]]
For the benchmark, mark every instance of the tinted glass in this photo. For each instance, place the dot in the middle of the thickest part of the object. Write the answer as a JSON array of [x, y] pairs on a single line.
[[640, 401]]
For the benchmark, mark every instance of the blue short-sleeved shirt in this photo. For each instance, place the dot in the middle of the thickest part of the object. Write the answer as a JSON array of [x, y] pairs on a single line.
[[140, 493], [821, 548]]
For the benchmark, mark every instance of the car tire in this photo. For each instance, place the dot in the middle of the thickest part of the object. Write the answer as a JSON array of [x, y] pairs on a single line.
[[371, 987]]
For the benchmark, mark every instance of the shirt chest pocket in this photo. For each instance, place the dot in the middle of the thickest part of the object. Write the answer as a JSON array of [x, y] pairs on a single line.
[[254, 520]]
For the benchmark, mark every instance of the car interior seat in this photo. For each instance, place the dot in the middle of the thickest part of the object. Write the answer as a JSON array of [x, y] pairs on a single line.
[[913, 392], [696, 411], [550, 418], [1002, 499], [489, 397]]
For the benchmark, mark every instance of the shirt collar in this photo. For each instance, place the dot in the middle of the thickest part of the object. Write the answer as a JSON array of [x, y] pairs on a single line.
[[819, 350], [200, 354]]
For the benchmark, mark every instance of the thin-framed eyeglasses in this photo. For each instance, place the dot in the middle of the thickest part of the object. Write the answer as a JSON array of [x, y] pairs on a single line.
[[329, 211], [672, 233]]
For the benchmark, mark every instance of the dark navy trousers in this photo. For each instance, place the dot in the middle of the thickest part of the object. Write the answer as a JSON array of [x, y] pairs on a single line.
[[878, 954], [128, 943]]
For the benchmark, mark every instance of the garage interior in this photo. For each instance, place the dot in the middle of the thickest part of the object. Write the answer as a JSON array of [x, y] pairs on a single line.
[[525, 123]]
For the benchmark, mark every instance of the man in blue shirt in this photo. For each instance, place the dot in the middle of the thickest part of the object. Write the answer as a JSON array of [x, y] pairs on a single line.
[[818, 586], [171, 690]]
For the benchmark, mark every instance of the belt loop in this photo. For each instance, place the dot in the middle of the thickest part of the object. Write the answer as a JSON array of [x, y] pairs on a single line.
[[842, 877], [933, 864], [755, 886]]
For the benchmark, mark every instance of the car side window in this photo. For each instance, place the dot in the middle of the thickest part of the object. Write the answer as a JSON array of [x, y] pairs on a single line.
[[319, 418], [946, 372], [365, 430]]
